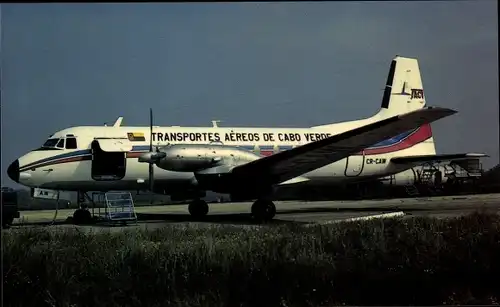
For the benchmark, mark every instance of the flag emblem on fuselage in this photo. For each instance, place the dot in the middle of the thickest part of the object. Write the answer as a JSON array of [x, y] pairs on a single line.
[[136, 137]]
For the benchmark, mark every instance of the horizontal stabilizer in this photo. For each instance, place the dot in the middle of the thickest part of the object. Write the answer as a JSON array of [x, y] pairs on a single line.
[[436, 158]]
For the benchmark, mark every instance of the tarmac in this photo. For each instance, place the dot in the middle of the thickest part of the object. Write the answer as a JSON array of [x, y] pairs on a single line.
[[299, 212]]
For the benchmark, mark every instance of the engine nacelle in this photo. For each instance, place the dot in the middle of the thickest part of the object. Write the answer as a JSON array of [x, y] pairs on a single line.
[[195, 157]]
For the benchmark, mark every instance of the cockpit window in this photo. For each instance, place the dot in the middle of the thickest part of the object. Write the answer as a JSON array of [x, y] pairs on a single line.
[[71, 143], [60, 144], [50, 143]]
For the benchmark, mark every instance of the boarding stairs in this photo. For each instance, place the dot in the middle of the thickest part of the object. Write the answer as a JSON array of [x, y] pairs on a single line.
[[114, 207], [429, 180]]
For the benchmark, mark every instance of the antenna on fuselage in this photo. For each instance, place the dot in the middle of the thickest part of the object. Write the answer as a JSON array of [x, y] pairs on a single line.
[[214, 123]]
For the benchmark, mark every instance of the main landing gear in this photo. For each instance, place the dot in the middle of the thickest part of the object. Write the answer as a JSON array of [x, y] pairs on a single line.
[[263, 210], [198, 208]]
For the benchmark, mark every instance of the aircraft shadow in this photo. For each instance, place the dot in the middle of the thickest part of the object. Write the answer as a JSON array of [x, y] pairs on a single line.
[[246, 218], [44, 223], [339, 210], [227, 218], [150, 218], [231, 218], [387, 209]]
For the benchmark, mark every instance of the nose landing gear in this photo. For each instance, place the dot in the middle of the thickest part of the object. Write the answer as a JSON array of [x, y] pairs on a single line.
[[82, 216]]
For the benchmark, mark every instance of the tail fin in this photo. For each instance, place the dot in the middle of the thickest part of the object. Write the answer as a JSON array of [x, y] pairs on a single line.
[[404, 91]]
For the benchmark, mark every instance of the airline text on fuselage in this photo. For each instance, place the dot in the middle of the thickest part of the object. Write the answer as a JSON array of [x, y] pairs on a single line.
[[237, 137]]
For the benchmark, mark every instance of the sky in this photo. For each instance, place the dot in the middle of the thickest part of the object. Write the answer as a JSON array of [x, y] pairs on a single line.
[[247, 64]]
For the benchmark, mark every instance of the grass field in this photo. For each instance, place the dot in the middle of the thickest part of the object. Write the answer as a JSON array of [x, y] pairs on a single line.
[[418, 261]]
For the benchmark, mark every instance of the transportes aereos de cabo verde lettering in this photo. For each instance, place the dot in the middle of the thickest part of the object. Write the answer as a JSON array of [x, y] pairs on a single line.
[[237, 137]]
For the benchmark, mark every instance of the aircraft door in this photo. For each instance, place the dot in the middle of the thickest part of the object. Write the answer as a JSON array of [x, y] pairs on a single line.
[[109, 159], [354, 165]]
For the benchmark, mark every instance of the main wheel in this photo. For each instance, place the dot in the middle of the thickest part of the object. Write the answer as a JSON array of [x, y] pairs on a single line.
[[198, 208], [81, 217], [263, 210]]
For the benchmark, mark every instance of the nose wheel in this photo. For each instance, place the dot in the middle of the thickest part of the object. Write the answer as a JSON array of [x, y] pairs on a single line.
[[263, 210], [82, 217], [198, 208]]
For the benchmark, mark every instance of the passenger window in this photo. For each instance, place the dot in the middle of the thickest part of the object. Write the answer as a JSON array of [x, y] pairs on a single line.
[[71, 143], [60, 144]]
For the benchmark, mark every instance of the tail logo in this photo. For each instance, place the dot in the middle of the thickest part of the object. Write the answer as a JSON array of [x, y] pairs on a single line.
[[417, 94]]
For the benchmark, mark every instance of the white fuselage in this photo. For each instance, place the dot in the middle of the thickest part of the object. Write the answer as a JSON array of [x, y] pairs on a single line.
[[74, 169]]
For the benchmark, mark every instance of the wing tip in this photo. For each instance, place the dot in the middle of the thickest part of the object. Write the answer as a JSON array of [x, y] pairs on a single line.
[[445, 110], [434, 112], [477, 155]]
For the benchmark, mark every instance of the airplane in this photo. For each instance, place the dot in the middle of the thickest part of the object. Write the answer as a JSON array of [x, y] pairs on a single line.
[[247, 163]]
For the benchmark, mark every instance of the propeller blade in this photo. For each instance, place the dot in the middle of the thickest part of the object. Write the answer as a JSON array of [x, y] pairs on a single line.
[[151, 167], [151, 183], [150, 129]]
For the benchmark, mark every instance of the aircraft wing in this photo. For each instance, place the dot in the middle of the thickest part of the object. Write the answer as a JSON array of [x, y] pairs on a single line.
[[436, 158], [289, 164]]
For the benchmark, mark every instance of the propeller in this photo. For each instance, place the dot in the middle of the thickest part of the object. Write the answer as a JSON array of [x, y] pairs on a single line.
[[151, 157]]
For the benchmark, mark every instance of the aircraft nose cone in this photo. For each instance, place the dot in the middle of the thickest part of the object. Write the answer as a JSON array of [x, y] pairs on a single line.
[[13, 171]]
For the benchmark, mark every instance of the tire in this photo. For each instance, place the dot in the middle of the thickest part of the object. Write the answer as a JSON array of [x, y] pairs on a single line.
[[7, 221]]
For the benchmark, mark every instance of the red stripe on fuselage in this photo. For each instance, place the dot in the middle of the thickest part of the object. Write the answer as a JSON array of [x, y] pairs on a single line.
[[267, 153], [422, 134], [60, 161], [135, 154]]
